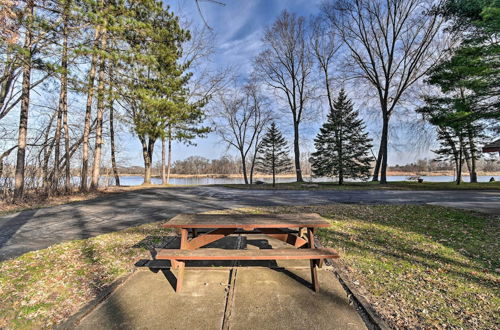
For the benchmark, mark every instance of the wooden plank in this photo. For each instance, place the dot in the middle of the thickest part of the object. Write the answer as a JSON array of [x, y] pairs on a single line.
[[209, 237], [311, 220], [184, 239], [181, 264], [180, 276], [314, 272], [284, 236], [263, 254]]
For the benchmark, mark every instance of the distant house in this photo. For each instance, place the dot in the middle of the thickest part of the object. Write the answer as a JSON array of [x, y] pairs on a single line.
[[492, 147]]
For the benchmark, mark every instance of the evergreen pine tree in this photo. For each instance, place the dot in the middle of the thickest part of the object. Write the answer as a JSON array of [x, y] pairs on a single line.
[[273, 154], [342, 145]]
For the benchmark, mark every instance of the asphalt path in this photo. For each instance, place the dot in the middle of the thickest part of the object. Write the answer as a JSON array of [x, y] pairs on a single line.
[[37, 229]]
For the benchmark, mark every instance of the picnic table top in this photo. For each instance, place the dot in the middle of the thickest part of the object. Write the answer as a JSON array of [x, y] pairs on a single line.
[[247, 221]]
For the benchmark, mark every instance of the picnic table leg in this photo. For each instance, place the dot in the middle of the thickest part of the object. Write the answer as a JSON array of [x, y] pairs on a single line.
[[181, 264], [313, 262]]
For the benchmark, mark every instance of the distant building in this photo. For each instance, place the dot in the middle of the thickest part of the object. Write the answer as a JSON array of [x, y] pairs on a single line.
[[492, 147]]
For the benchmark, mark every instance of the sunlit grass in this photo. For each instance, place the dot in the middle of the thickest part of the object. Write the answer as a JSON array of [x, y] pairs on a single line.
[[420, 266]]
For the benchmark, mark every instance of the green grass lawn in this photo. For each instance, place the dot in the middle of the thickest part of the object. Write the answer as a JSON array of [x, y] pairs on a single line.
[[395, 185], [419, 266]]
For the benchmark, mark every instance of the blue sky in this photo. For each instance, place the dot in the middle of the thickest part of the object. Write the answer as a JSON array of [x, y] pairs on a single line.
[[238, 26]]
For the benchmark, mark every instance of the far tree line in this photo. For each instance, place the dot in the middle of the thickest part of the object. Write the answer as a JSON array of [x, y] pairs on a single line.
[[231, 165]]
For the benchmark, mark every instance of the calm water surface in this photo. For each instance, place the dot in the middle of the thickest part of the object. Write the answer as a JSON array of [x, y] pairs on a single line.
[[137, 180]]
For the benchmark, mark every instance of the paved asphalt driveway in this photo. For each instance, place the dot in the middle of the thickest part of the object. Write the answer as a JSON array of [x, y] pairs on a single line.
[[37, 229]]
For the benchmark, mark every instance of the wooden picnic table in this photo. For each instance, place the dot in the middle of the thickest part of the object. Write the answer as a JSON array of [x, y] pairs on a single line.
[[277, 226]]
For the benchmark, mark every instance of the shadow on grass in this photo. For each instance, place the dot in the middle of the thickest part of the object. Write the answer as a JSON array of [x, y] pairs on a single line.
[[467, 235]]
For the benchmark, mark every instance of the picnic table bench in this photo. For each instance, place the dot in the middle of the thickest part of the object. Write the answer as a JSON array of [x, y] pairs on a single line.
[[277, 226]]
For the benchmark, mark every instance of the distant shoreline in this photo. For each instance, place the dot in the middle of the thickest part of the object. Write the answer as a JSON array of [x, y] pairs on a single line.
[[239, 176]]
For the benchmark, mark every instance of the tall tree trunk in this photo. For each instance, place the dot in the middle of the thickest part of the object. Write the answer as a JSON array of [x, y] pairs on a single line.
[[296, 150], [147, 154], [383, 145], [163, 162], [112, 143], [64, 96], [252, 167], [169, 159], [254, 157], [57, 149], [472, 147], [88, 116], [273, 164], [67, 165], [112, 129], [460, 159], [25, 102], [244, 166], [341, 160], [376, 170], [96, 168], [467, 159]]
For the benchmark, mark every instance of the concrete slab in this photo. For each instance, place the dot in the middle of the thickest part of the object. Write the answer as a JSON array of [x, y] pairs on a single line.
[[270, 299], [276, 295], [148, 301]]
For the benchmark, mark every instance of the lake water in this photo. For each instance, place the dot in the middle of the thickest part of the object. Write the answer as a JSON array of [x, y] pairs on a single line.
[[137, 180]]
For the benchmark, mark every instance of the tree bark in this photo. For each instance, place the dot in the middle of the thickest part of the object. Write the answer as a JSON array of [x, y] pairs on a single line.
[[383, 146], [57, 149], [274, 167], [460, 159], [163, 162], [64, 97], [112, 138], [88, 116], [112, 142], [169, 161], [100, 114], [147, 154], [376, 170], [244, 166], [25, 102], [296, 150], [472, 147]]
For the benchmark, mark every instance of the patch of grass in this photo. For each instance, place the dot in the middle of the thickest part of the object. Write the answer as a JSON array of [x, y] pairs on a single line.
[[394, 185], [41, 288], [419, 266]]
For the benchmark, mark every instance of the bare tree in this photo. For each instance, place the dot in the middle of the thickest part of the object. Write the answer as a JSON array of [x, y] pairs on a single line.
[[261, 106], [285, 65], [392, 44], [325, 44], [240, 122]]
